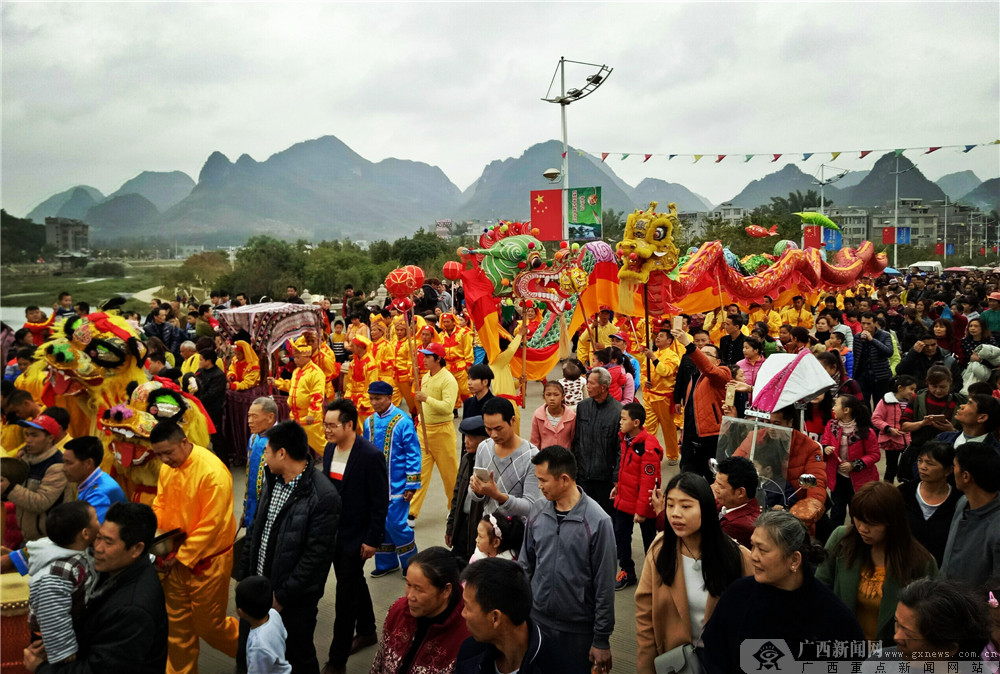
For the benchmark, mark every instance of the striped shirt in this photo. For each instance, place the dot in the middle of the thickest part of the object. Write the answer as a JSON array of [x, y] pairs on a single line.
[[514, 475]]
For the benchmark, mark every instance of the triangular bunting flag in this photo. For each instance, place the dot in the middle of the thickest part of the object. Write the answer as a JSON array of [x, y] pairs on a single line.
[[776, 158], [604, 155], [697, 157], [647, 158], [864, 153], [996, 142], [721, 157], [834, 155], [900, 151], [932, 149], [624, 157], [671, 157], [564, 155], [805, 157], [967, 148], [749, 157], [580, 153]]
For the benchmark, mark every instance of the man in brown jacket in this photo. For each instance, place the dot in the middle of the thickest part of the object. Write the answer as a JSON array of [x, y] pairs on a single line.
[[702, 406], [46, 480]]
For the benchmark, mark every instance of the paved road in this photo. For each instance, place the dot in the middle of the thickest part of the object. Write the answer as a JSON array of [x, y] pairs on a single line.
[[429, 532]]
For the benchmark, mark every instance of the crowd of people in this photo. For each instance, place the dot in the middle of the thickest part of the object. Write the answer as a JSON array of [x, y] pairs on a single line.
[[866, 517]]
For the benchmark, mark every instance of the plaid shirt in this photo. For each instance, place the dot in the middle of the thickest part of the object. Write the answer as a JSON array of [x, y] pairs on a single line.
[[279, 496]]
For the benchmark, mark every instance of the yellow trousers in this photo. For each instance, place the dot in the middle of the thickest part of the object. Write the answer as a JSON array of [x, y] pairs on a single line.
[[442, 450], [462, 378], [316, 436], [196, 608], [403, 390], [659, 415]]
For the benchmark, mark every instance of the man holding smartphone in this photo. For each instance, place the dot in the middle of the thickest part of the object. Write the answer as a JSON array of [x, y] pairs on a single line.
[[503, 474]]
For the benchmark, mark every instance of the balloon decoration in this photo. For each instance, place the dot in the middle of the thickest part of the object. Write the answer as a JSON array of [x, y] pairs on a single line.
[[758, 232], [818, 219], [452, 270], [782, 246]]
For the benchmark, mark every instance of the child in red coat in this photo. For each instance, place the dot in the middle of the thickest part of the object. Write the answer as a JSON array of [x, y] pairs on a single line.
[[850, 446], [638, 475]]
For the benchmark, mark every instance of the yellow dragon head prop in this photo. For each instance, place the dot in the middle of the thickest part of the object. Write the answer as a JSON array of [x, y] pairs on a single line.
[[647, 245]]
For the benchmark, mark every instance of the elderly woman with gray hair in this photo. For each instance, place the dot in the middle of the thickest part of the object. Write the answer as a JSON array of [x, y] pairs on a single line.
[[596, 443], [782, 600]]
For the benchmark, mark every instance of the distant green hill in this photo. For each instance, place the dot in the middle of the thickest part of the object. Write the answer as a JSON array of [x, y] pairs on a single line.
[[161, 188], [50, 207]]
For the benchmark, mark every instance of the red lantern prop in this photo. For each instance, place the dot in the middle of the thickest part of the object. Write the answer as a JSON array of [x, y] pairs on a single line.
[[452, 270], [400, 282], [418, 275]]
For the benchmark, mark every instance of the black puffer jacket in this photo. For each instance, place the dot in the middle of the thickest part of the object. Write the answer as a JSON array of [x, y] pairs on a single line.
[[300, 545], [124, 627]]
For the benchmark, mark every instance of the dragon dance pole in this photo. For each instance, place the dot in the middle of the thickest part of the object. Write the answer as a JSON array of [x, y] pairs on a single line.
[[524, 352], [416, 374], [645, 310]]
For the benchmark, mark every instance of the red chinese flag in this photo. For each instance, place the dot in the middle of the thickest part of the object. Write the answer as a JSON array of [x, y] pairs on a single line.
[[813, 236], [982, 251], [546, 214], [888, 235], [939, 249]]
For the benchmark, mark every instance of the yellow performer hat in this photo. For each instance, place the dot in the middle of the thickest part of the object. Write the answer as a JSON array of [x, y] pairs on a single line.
[[361, 340], [301, 344]]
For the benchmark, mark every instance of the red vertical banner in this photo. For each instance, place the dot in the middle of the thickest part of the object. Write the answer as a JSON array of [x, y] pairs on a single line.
[[546, 214], [813, 236], [889, 235], [982, 251], [939, 249]]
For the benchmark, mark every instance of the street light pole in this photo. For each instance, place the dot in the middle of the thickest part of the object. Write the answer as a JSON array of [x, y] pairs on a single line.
[[946, 228], [564, 103], [895, 219]]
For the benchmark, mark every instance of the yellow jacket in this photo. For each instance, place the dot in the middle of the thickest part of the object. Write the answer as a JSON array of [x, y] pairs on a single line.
[[458, 349], [772, 318], [442, 392], [584, 348], [664, 374], [246, 374], [798, 317], [383, 353], [361, 373], [305, 392], [402, 361], [33, 381], [197, 498]]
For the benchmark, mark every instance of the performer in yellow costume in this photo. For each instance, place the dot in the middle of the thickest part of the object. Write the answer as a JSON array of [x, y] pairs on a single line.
[[438, 393], [195, 494], [244, 371], [605, 328], [798, 315], [305, 394], [324, 358], [767, 314], [658, 392], [363, 371], [458, 352], [382, 352], [402, 365]]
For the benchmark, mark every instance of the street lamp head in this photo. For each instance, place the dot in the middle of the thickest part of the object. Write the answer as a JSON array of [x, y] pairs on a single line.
[[574, 93], [597, 78], [551, 174]]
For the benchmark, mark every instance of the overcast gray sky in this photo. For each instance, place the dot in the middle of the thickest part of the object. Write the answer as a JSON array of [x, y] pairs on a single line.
[[95, 93]]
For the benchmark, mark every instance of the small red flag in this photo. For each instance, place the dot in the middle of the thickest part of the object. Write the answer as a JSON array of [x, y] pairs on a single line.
[[864, 153], [776, 157], [563, 155], [813, 237], [933, 149], [939, 249], [604, 155], [889, 235], [721, 157], [546, 214], [982, 251], [647, 158]]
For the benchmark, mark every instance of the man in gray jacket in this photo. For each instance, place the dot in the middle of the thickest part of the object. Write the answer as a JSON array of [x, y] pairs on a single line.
[[596, 445], [569, 558], [972, 553]]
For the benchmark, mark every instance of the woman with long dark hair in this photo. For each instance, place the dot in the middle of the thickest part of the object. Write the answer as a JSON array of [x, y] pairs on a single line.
[[782, 597], [850, 445], [833, 363], [870, 560], [976, 333], [944, 333], [686, 570]]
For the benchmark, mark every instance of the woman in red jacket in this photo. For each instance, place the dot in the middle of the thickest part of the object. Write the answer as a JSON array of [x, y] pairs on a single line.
[[850, 445], [424, 628]]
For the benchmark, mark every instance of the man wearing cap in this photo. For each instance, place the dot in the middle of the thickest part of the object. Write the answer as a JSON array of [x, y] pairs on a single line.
[[992, 315], [326, 360], [305, 394], [362, 371], [392, 432], [604, 328], [457, 343], [438, 394], [46, 481], [465, 512], [194, 493], [382, 351], [765, 313], [798, 315]]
